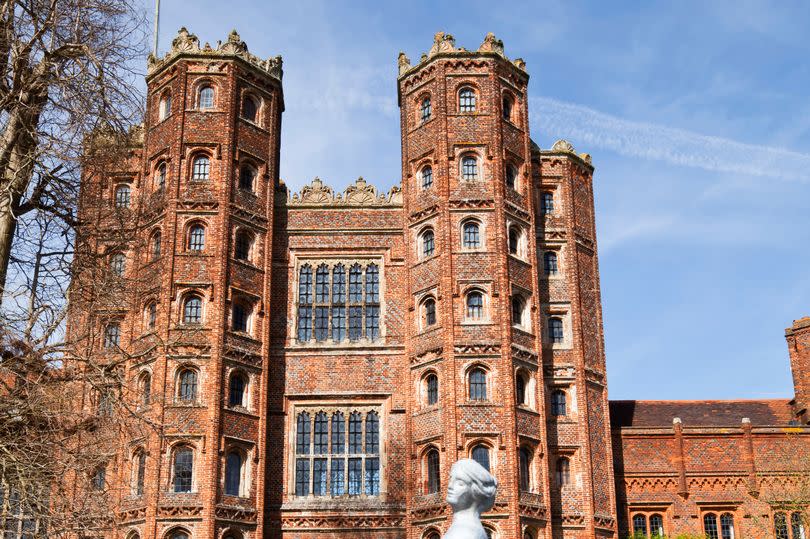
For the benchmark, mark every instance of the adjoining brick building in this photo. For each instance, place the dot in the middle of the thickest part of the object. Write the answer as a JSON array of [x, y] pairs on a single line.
[[320, 359]]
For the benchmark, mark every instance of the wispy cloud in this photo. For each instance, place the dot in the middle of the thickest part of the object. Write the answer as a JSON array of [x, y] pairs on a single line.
[[658, 142]]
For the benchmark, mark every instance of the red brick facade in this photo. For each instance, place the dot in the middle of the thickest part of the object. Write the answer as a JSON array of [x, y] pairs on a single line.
[[460, 313]]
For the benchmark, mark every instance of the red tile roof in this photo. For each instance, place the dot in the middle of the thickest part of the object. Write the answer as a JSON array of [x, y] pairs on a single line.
[[699, 413]]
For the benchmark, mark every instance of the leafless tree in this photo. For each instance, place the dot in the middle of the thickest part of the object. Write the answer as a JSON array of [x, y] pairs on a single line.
[[66, 67]]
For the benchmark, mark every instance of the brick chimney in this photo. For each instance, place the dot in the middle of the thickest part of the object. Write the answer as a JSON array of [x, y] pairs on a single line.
[[798, 340]]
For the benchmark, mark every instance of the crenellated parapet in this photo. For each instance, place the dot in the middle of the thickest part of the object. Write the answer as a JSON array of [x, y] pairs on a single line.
[[445, 45], [360, 194], [187, 44]]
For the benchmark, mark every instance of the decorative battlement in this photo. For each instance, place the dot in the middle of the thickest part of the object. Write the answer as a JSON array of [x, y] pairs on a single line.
[[359, 194], [186, 43], [445, 44]]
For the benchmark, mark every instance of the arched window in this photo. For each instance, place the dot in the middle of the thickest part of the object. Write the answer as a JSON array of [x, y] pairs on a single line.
[[233, 474], [797, 524], [99, 479], [656, 526], [478, 384], [425, 109], [640, 525], [511, 177], [236, 389], [206, 98], [240, 316], [525, 457], [428, 312], [145, 387], [201, 168], [192, 310], [710, 526], [179, 534], [547, 203], [433, 535], [433, 476], [196, 238], [727, 526], [475, 305], [112, 335], [469, 167], [150, 315], [187, 385], [518, 306], [466, 100], [305, 303], [471, 235], [507, 107], [160, 177], [555, 330], [122, 196], [514, 240], [780, 526], [427, 239], [165, 107], [480, 454], [249, 108], [242, 245], [432, 388], [520, 388], [550, 263], [155, 245], [558, 403], [247, 174], [563, 471], [139, 472], [183, 469], [427, 176], [118, 264]]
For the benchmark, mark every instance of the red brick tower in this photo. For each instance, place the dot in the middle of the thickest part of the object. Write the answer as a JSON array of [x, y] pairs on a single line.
[[492, 336], [798, 340], [198, 263]]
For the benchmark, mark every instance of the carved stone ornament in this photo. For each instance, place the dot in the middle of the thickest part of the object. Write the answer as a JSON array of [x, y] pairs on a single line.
[[404, 63], [188, 43], [359, 194], [563, 146], [442, 43], [491, 44]]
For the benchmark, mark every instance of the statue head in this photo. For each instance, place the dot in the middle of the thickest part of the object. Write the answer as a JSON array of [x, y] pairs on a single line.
[[471, 485]]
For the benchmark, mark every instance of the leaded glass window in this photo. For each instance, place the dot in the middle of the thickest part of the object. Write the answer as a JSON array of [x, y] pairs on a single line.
[[301, 477], [183, 469], [206, 98], [305, 303], [656, 526], [118, 264], [338, 477], [355, 433], [338, 433], [475, 305], [547, 203], [550, 263], [469, 167], [727, 526], [640, 525], [321, 302], [338, 303], [355, 300], [525, 457], [433, 472], [427, 243], [192, 310], [321, 434], [797, 525], [466, 100], [472, 237], [558, 402], [122, 196], [432, 383], [372, 476], [319, 472], [563, 471], [302, 434], [160, 179], [478, 384], [112, 335], [427, 177], [187, 391], [555, 330], [233, 473], [372, 433], [236, 391], [196, 238], [480, 454], [201, 168], [355, 476], [425, 109], [372, 306], [430, 312]]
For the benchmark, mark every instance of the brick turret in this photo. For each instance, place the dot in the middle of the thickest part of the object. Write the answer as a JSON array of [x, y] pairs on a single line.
[[798, 341]]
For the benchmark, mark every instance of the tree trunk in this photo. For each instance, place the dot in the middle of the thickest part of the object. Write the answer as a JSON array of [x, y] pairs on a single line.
[[8, 225]]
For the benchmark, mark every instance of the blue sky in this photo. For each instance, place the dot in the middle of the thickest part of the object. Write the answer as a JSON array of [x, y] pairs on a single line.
[[698, 120]]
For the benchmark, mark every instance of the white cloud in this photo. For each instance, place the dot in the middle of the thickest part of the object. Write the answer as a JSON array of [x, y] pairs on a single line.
[[662, 143]]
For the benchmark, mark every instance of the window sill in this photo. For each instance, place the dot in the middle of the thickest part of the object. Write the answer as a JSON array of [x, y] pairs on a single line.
[[552, 277], [519, 258], [241, 410], [523, 330], [253, 125], [423, 260], [477, 323]]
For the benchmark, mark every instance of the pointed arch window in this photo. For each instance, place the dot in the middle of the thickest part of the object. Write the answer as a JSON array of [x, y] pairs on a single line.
[[233, 474], [640, 525], [99, 479], [475, 305], [432, 387], [180, 534], [139, 465], [429, 312], [160, 177], [428, 243], [236, 389], [469, 167], [240, 316], [471, 235], [511, 177], [196, 238]]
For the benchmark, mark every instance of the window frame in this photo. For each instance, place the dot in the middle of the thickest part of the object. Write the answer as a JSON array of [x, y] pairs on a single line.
[[470, 167], [247, 168], [467, 99], [203, 103], [480, 235], [187, 393], [164, 106], [122, 196], [477, 390], [257, 104], [175, 449], [423, 177], [195, 237], [200, 311], [244, 396], [200, 167]]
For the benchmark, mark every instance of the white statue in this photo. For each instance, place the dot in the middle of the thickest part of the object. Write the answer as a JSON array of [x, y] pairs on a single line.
[[471, 492]]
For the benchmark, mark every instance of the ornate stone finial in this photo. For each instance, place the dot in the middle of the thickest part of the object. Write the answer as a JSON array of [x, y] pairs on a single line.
[[359, 194], [746, 420], [491, 44], [404, 63], [471, 491], [442, 43], [185, 41], [586, 157], [234, 45], [519, 63], [676, 420], [563, 146]]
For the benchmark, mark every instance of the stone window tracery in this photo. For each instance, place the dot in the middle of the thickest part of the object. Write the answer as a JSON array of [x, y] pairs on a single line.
[[330, 463], [331, 310]]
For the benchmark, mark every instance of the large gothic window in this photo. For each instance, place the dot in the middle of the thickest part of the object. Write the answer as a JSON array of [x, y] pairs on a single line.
[[337, 453], [336, 307]]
